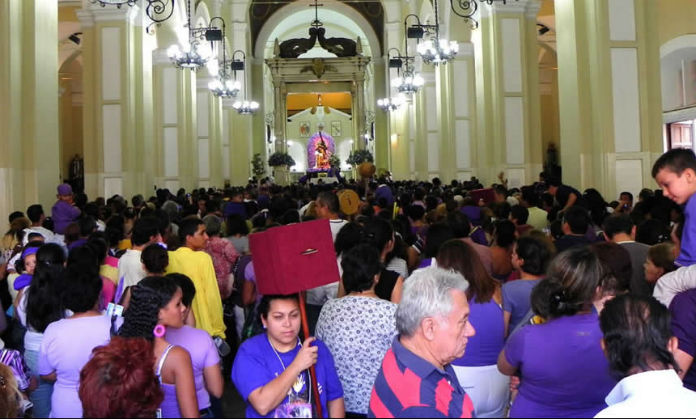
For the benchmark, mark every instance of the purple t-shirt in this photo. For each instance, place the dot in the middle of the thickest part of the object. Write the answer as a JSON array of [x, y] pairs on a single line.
[[203, 353], [683, 308], [563, 369], [484, 347], [517, 299], [63, 214], [66, 347], [687, 252], [257, 364]]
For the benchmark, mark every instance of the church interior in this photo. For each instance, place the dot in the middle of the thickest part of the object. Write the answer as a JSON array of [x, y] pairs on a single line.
[[127, 96]]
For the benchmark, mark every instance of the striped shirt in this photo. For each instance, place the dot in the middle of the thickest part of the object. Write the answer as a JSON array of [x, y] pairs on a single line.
[[409, 386]]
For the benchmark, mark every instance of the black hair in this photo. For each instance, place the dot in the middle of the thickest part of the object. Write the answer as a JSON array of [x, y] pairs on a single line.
[[15, 215], [144, 229], [265, 303], [597, 206], [530, 196], [554, 181], [81, 289], [43, 299], [377, 232], [519, 213], [628, 194], [504, 232], [188, 290], [348, 237], [360, 265], [578, 219], [636, 332], [616, 224], [415, 212], [155, 258], [435, 237], [188, 227], [459, 224], [86, 258], [147, 298], [236, 225], [575, 275], [101, 248], [329, 200], [34, 213], [535, 253], [675, 160], [652, 232], [87, 225]]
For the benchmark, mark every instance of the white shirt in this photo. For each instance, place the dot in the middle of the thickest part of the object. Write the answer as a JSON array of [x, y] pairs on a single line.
[[671, 284], [130, 268], [320, 295], [650, 394]]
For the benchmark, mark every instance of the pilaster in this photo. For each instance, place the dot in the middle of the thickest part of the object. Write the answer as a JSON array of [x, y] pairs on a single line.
[[29, 138], [507, 81], [609, 94]]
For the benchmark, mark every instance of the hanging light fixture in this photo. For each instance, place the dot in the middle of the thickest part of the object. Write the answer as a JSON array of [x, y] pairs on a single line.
[[223, 86], [194, 54], [434, 50], [391, 104], [408, 81], [157, 11], [245, 106]]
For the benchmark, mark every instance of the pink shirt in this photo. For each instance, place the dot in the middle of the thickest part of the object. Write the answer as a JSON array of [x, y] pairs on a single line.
[[224, 256]]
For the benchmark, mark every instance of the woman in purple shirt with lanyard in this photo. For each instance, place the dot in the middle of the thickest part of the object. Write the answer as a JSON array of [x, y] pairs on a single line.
[[562, 368], [477, 371]]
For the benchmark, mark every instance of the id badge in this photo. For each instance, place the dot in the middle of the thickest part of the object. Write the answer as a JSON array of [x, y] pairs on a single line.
[[294, 410]]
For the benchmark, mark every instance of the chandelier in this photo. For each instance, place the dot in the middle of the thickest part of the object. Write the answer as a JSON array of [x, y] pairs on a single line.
[[195, 54], [245, 106], [224, 86], [156, 10], [391, 104], [434, 50]]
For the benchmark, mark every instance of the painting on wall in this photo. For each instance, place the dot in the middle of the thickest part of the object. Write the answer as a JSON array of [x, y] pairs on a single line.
[[336, 129], [305, 129]]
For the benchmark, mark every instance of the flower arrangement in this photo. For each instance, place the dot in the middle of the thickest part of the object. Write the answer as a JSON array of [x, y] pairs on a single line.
[[280, 159], [357, 157], [258, 165], [335, 161]]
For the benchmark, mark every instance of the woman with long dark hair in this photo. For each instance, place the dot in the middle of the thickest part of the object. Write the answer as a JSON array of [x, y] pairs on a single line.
[[39, 305], [477, 371], [379, 233], [155, 304]]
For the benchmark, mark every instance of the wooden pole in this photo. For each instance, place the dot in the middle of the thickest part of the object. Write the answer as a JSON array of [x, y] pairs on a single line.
[[312, 372]]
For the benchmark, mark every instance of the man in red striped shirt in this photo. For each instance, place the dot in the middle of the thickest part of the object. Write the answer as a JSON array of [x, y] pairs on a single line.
[[416, 379]]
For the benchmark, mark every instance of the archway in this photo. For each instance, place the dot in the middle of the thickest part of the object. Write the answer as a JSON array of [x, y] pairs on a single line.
[[678, 65]]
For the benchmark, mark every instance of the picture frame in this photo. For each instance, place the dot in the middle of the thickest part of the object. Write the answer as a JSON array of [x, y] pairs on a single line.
[[305, 129], [336, 129]]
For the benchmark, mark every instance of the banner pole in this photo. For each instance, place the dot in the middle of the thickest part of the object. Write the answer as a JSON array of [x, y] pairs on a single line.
[[312, 371]]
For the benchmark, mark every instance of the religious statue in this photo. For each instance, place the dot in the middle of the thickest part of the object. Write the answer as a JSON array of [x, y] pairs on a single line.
[[323, 156]]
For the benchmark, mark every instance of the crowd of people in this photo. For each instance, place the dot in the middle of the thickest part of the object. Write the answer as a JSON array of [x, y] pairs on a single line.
[[452, 300]]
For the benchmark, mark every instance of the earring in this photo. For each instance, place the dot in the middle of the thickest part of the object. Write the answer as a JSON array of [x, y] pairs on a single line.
[[159, 331]]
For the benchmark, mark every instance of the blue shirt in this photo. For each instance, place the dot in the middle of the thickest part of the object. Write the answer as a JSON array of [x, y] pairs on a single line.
[[256, 365], [687, 253], [409, 386], [516, 299], [484, 347]]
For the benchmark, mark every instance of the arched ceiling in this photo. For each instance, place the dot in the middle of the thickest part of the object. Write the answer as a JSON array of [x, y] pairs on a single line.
[[261, 11]]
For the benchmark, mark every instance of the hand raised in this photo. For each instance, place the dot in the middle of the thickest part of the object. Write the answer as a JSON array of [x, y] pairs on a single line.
[[307, 356]]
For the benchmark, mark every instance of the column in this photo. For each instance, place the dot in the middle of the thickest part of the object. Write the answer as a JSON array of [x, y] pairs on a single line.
[[508, 111], [609, 94], [118, 128], [209, 135], [240, 126], [29, 137], [176, 125]]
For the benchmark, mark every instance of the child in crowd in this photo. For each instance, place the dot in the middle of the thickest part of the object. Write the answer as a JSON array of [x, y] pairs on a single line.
[[675, 173]]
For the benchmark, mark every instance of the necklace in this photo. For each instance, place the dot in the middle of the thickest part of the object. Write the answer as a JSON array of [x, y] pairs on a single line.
[[300, 381]]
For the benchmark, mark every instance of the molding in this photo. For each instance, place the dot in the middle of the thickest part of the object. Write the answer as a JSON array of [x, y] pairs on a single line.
[[86, 17], [679, 115], [675, 44]]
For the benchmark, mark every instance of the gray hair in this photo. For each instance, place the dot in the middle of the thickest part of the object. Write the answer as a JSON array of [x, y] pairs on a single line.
[[213, 224], [427, 294]]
